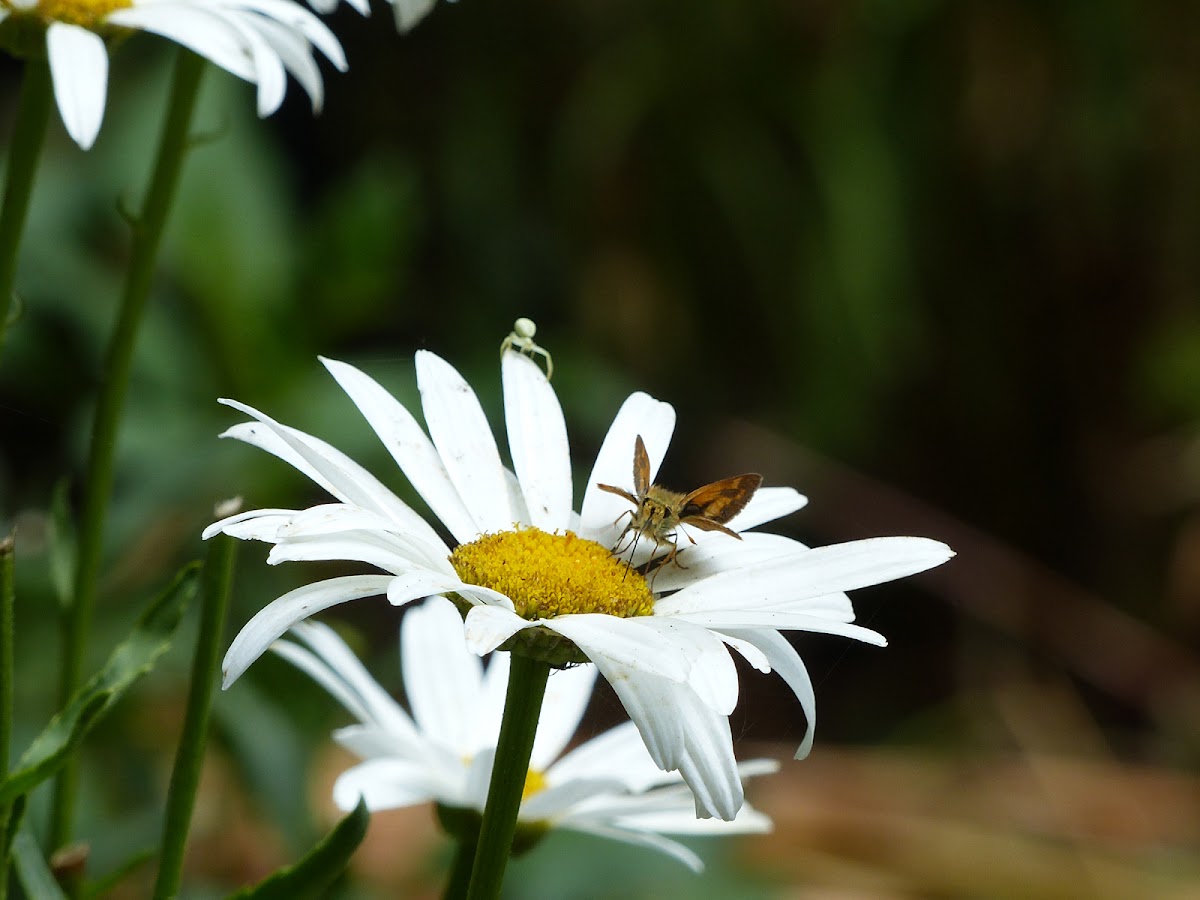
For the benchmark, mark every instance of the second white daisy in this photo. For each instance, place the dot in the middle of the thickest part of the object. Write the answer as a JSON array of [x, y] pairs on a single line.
[[442, 752]]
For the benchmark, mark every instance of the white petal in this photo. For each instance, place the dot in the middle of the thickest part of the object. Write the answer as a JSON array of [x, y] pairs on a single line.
[[201, 30], [708, 765], [809, 573], [648, 839], [516, 498], [537, 440], [442, 679], [787, 662], [327, 6], [295, 54], [419, 584], [489, 708], [384, 784], [252, 525], [749, 652], [767, 505], [567, 694], [712, 557], [464, 440], [550, 803], [375, 741], [79, 68], [331, 469], [671, 809], [490, 626], [308, 663], [617, 753], [479, 777], [634, 642], [299, 20], [379, 706], [747, 821], [639, 414], [651, 704], [340, 518], [681, 732], [281, 614], [374, 548], [410, 12], [664, 647], [409, 446], [739, 620]]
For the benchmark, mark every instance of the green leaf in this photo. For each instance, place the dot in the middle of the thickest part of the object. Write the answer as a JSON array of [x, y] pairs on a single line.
[[62, 544], [102, 886], [32, 871], [320, 866], [132, 659], [12, 824]]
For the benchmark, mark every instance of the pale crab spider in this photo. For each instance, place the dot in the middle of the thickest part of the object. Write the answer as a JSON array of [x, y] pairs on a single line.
[[521, 340]]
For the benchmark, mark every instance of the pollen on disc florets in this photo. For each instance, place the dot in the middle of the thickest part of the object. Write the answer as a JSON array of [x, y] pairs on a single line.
[[547, 575], [85, 13]]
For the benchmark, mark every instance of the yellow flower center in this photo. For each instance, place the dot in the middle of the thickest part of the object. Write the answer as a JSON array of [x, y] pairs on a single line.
[[89, 14], [535, 781], [547, 575]]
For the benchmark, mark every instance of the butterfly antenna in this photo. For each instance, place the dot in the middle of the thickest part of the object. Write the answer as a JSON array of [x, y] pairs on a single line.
[[629, 562]]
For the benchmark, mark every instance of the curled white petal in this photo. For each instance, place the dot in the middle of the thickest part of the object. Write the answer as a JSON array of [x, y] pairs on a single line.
[[279, 615]]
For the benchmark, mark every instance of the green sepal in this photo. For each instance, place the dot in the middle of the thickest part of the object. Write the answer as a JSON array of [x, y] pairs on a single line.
[[462, 824]]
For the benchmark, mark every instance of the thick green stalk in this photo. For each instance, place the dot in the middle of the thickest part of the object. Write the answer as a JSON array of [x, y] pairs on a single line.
[[181, 798], [526, 688], [29, 134], [147, 237], [7, 602], [460, 870]]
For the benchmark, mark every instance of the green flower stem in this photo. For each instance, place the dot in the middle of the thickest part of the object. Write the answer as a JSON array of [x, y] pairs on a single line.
[[29, 134], [526, 688], [7, 602], [147, 236], [460, 870], [181, 798]]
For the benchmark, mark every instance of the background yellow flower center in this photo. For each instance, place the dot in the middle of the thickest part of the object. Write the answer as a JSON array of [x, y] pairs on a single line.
[[85, 13]]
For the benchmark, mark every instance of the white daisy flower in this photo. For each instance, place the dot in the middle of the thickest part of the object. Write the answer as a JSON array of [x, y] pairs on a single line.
[[540, 580], [260, 41], [443, 752]]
